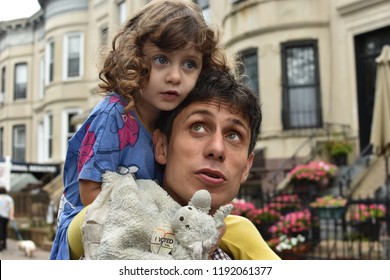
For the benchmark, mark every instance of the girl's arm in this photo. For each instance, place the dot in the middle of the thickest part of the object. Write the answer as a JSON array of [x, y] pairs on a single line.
[[89, 190]]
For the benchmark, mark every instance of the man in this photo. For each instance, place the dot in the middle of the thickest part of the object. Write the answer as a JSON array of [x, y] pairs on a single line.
[[207, 143]]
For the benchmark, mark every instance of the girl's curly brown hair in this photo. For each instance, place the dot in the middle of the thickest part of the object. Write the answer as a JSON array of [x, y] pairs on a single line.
[[170, 25]]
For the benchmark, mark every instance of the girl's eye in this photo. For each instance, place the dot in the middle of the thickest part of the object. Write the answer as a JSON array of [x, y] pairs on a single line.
[[189, 64], [160, 60]]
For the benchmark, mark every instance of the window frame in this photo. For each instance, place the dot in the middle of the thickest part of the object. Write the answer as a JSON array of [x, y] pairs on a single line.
[[2, 142], [18, 148], [49, 61], [66, 133], [3, 79], [315, 86], [122, 12], [243, 55], [48, 136], [66, 58], [42, 78], [23, 91]]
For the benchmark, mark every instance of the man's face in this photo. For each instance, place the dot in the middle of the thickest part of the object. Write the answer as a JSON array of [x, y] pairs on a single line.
[[208, 150]]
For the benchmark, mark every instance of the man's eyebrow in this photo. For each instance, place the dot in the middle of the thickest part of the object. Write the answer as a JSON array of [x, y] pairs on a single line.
[[208, 113], [199, 112], [239, 122]]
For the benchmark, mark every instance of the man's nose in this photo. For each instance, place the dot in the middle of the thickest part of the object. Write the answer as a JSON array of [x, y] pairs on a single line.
[[215, 148]]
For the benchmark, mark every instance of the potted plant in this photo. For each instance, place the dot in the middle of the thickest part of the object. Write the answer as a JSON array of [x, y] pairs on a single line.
[[366, 219], [293, 223], [263, 219], [242, 207], [306, 178], [339, 150], [289, 248], [286, 203], [329, 207]]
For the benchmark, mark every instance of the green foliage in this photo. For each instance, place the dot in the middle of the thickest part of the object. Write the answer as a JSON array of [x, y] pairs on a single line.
[[339, 147]]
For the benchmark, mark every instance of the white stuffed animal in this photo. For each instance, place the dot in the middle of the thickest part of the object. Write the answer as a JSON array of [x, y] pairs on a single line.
[[143, 222], [196, 231]]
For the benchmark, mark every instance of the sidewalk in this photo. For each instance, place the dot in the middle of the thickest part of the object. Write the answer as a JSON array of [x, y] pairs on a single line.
[[13, 253]]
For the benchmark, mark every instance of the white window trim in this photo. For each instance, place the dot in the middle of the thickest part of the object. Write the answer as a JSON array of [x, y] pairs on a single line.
[[65, 132], [42, 78], [65, 57], [122, 12], [47, 61], [15, 144], [47, 137], [40, 140]]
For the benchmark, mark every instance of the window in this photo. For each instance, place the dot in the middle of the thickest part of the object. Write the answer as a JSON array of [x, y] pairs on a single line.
[[49, 71], [3, 79], [69, 127], [104, 35], [41, 89], [301, 86], [20, 87], [251, 71], [41, 156], [205, 6], [122, 11], [19, 143], [48, 128], [2, 142], [73, 59]]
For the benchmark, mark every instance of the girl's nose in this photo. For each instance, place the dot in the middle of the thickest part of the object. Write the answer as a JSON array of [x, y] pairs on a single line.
[[173, 75]]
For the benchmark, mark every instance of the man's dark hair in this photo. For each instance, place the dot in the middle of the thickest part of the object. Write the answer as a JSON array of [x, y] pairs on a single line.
[[225, 88]]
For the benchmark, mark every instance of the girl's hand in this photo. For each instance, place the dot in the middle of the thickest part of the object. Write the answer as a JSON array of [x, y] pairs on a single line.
[[89, 190]]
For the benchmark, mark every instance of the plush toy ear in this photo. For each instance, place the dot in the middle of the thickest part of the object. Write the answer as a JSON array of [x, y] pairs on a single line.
[[160, 146], [201, 200]]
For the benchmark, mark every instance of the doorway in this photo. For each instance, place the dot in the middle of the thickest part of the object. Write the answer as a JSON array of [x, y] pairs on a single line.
[[368, 46]]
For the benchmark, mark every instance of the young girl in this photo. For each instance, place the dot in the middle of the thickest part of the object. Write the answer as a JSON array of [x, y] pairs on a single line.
[[154, 63]]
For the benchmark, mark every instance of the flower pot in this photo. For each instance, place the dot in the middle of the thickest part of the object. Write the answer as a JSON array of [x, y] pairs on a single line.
[[305, 187], [286, 210], [297, 253], [368, 229], [340, 159], [329, 213], [307, 190]]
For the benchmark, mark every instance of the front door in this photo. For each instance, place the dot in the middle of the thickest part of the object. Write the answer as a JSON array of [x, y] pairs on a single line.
[[368, 46]]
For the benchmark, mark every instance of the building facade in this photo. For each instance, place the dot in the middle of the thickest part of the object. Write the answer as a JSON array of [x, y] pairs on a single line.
[[312, 63]]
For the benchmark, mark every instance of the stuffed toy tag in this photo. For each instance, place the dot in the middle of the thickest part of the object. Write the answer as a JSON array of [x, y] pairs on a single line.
[[163, 240]]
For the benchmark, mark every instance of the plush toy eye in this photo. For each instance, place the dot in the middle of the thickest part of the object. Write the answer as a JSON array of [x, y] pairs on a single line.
[[181, 218], [187, 227], [189, 208]]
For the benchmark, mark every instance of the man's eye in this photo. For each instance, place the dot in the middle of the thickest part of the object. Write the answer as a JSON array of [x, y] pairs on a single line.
[[198, 128], [234, 136], [160, 59]]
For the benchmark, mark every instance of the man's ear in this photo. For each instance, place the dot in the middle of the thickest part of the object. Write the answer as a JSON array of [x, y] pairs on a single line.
[[248, 167], [160, 146]]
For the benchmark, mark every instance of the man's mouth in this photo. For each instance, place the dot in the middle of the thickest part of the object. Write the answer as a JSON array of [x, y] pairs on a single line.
[[211, 176]]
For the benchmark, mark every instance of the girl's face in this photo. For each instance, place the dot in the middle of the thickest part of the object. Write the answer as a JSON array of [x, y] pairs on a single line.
[[173, 75]]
